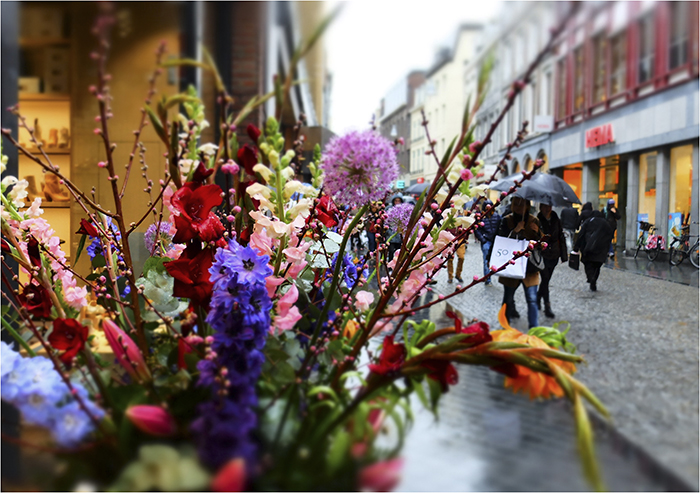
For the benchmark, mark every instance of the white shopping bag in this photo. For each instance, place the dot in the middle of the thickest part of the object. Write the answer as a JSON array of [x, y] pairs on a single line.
[[502, 252]]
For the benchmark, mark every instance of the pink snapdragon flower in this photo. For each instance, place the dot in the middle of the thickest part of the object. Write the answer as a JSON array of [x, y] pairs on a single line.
[[153, 420], [287, 314], [126, 352]]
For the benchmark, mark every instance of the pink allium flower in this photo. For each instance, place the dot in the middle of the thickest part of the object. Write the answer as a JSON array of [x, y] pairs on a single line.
[[397, 218], [363, 299], [359, 167]]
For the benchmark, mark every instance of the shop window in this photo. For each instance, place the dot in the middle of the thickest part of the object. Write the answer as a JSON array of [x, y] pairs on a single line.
[[681, 174], [617, 63], [516, 167], [561, 89], [528, 164], [545, 166], [578, 79], [608, 181], [647, 185], [678, 42], [646, 48], [573, 175], [599, 68]]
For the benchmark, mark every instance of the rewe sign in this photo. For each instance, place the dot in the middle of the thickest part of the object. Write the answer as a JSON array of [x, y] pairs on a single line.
[[599, 135]]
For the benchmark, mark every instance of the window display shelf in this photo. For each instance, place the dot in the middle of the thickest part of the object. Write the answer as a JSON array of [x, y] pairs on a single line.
[[41, 96], [41, 42], [49, 151]]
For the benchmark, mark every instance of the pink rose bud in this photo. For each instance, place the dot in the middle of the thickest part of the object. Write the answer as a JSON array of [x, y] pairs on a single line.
[[433, 206], [231, 476], [466, 174], [236, 210], [153, 420], [125, 350]]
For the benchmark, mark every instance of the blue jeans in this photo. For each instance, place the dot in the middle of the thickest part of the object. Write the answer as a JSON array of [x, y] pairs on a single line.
[[530, 298], [485, 247]]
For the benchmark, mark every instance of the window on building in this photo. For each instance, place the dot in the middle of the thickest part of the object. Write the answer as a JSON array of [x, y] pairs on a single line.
[[646, 48], [546, 97], [608, 181], [647, 186], [561, 89], [678, 42], [681, 173], [579, 96], [618, 63], [444, 113], [599, 68]]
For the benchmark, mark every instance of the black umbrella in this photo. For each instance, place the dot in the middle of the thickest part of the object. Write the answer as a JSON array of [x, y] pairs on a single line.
[[542, 188], [418, 188]]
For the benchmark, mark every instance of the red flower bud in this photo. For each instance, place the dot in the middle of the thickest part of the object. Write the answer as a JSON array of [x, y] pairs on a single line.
[[231, 476], [153, 420]]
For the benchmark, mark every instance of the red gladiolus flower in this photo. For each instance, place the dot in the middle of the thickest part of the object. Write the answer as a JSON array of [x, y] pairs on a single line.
[[480, 331], [36, 300], [70, 335], [86, 228], [253, 132], [33, 251], [248, 157], [392, 357], [231, 476], [192, 276], [443, 371], [153, 420], [196, 219], [327, 212], [200, 176], [6, 246]]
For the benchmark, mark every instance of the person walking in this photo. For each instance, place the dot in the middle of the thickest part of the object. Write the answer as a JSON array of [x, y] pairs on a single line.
[[485, 235], [612, 216], [556, 250], [373, 216], [569, 223], [522, 225], [586, 211], [594, 243]]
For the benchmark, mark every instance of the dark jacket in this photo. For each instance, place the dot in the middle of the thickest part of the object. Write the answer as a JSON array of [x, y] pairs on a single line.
[[556, 243], [531, 231], [612, 217], [569, 218], [487, 232], [585, 213], [594, 239]]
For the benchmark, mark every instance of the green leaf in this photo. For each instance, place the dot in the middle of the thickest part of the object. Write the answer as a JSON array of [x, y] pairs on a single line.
[[179, 99], [283, 373], [155, 263], [435, 394], [157, 125], [338, 451], [98, 261], [81, 245]]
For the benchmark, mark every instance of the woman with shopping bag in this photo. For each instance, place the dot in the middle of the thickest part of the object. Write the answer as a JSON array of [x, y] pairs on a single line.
[[521, 225]]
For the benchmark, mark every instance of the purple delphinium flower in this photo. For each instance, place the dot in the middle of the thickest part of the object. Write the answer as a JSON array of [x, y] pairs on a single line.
[[161, 234], [240, 316], [398, 217], [359, 167]]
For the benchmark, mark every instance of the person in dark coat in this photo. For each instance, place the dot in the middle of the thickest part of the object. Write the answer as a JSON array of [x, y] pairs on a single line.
[[594, 243], [522, 225], [569, 223], [586, 211], [396, 239], [556, 249], [612, 216], [485, 235]]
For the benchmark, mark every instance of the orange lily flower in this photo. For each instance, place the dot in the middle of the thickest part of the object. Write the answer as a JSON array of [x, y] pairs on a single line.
[[535, 383]]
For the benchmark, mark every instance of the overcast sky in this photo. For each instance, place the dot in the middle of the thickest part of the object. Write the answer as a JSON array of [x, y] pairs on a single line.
[[373, 43]]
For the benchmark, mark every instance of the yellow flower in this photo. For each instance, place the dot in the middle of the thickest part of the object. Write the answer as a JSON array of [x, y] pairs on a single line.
[[350, 329]]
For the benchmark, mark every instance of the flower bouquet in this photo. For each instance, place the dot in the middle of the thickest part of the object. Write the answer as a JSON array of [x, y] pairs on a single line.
[[252, 351]]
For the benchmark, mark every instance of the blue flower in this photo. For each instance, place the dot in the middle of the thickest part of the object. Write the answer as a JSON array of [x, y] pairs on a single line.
[[8, 359], [71, 424]]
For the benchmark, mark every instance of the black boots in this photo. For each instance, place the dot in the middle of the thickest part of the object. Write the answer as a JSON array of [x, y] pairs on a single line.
[[548, 311]]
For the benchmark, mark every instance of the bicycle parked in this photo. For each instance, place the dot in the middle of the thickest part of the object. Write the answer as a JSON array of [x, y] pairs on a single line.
[[680, 248], [652, 243]]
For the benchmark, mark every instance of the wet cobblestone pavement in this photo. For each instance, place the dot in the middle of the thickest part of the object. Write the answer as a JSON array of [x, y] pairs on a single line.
[[639, 335]]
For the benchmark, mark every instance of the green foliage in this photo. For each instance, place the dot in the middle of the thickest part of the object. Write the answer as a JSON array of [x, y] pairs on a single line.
[[554, 337]]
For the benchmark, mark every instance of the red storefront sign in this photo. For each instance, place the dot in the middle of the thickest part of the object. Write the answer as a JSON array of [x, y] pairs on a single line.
[[599, 135], [420, 180]]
